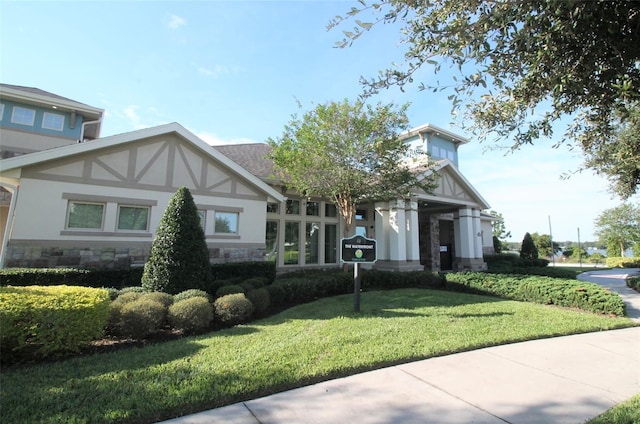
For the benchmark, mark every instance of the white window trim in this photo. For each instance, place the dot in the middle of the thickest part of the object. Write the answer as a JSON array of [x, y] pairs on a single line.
[[13, 114], [44, 119], [1, 111]]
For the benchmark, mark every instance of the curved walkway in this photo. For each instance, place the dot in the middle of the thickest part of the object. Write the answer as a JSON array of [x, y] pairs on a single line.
[[615, 280], [557, 380]]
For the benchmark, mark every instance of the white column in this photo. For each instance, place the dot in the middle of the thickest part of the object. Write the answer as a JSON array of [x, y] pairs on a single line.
[[382, 230], [413, 231], [466, 248], [477, 230], [397, 231]]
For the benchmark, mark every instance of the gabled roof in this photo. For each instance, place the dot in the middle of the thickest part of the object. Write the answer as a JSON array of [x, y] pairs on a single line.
[[120, 139], [430, 129], [41, 97], [253, 157], [445, 165]]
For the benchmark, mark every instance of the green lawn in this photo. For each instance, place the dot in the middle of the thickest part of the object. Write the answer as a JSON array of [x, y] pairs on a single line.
[[305, 344], [627, 412]]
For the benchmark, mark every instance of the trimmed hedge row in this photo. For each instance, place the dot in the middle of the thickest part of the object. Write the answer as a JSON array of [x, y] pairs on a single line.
[[46, 321], [618, 262], [545, 290], [119, 278]]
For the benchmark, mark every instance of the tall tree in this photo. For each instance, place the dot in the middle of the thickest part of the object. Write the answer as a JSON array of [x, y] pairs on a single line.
[[543, 244], [522, 65], [349, 153], [499, 232], [179, 258], [528, 248], [619, 226]]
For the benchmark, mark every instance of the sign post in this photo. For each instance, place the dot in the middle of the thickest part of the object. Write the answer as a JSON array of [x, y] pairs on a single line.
[[358, 250]]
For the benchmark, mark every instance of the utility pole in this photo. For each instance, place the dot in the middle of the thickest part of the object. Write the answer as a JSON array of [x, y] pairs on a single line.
[[579, 249], [553, 253]]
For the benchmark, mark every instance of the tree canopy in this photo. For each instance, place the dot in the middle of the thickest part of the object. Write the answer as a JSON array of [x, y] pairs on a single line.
[[349, 153], [519, 67], [619, 226]]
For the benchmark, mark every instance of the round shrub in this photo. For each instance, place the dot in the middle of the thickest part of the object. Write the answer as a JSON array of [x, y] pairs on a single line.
[[137, 319], [128, 297], [134, 289], [247, 287], [191, 315], [233, 309], [257, 282], [229, 289], [260, 299], [277, 295], [187, 294], [165, 298]]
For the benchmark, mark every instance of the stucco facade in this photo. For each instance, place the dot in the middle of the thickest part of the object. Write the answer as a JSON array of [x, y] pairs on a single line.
[[97, 203]]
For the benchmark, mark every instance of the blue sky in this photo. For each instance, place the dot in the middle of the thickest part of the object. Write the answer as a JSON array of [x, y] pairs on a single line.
[[234, 72]]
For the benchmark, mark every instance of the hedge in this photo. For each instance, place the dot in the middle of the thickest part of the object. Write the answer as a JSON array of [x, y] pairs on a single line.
[[119, 278], [46, 321], [618, 262], [546, 290]]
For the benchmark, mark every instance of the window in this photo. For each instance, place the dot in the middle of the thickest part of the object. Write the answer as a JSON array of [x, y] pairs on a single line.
[[53, 121], [226, 222], [23, 116], [312, 242], [291, 243], [133, 218], [361, 214], [85, 215], [271, 251], [313, 208], [451, 155], [330, 243], [273, 208], [330, 210], [293, 207], [1, 111], [435, 151], [203, 218]]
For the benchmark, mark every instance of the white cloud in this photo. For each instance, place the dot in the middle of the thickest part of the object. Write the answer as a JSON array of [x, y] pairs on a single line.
[[176, 22], [215, 140]]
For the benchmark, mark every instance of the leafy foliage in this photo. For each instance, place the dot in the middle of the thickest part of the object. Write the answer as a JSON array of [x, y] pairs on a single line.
[[619, 226], [191, 315], [233, 309], [349, 152], [522, 66], [179, 258], [47, 321], [543, 244]]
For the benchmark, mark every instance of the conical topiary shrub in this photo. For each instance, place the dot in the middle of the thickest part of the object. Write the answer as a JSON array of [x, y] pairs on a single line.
[[179, 258], [528, 249]]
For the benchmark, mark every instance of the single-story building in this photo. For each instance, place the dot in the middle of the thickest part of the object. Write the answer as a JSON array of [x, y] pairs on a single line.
[[72, 198]]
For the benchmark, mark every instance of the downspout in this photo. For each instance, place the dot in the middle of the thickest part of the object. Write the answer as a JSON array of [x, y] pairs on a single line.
[[84, 124], [9, 226]]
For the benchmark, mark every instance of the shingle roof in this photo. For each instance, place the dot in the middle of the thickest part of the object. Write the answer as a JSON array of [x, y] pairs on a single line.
[[40, 92], [252, 157]]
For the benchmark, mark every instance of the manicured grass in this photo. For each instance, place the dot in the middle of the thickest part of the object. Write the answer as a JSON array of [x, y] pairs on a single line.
[[305, 344], [627, 412]]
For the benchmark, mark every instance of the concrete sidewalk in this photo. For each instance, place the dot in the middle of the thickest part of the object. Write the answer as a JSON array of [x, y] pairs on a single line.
[[557, 380], [616, 281]]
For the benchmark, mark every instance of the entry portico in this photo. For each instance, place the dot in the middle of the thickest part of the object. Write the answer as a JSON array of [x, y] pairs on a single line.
[[443, 230]]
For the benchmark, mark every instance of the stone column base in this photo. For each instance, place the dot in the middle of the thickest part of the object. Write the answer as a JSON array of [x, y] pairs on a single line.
[[469, 264]]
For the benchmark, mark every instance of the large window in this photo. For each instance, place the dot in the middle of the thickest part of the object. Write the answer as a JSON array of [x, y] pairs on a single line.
[[330, 243], [291, 243], [312, 242], [226, 222], [1, 111], [53, 121], [133, 218], [271, 251], [313, 208], [22, 115], [293, 207], [85, 215]]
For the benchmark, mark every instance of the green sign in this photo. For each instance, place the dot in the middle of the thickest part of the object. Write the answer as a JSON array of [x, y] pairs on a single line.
[[358, 249]]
